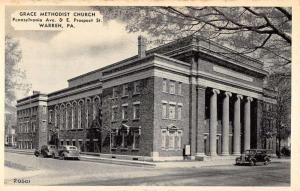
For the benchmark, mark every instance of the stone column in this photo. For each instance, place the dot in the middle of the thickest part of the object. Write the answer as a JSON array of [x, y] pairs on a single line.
[[225, 124], [259, 124], [247, 123], [213, 123], [200, 122], [237, 126]]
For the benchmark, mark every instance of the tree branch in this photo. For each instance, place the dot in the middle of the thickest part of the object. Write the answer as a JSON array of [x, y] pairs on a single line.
[[285, 12]]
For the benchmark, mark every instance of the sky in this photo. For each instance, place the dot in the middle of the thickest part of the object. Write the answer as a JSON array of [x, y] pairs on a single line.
[[50, 58]]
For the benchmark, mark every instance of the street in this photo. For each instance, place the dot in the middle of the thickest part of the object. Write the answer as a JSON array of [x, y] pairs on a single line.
[[47, 171]]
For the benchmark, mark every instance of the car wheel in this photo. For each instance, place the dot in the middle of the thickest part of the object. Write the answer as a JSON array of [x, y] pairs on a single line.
[[36, 154], [267, 161], [252, 162], [53, 155]]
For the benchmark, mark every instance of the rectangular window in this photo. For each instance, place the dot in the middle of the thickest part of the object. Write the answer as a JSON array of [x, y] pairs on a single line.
[[164, 85], [136, 111], [114, 92], [163, 139], [171, 139], [124, 112], [136, 140], [172, 87], [113, 140], [124, 140], [50, 116], [34, 126], [179, 112], [136, 87], [178, 140], [179, 90], [125, 90], [171, 111], [164, 111], [114, 113]]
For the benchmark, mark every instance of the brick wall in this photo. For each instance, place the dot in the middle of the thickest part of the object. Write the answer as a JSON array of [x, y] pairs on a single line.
[[145, 98], [160, 123]]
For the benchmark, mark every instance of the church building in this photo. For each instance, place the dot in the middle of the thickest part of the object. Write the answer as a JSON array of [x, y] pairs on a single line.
[[189, 97]]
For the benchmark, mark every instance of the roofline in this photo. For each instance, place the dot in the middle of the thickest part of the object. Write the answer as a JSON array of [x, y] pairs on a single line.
[[161, 46], [31, 97], [73, 87]]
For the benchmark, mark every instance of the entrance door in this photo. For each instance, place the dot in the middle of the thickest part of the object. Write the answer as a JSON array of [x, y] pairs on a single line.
[[218, 145]]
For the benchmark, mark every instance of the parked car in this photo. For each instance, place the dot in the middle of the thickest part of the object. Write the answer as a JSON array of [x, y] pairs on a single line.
[[47, 151], [253, 156], [68, 151]]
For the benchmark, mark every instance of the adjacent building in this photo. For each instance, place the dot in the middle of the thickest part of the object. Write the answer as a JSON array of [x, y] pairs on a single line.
[[184, 97]]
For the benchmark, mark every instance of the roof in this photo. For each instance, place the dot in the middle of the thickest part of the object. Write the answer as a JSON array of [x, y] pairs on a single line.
[[168, 48]]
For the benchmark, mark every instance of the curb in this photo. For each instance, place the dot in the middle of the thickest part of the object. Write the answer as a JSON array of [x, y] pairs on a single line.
[[118, 161], [98, 159], [95, 159]]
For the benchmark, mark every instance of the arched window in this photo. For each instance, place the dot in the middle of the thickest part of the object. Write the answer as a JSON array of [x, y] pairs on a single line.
[[96, 106], [63, 116], [56, 116], [74, 115], [80, 114], [68, 116], [88, 112]]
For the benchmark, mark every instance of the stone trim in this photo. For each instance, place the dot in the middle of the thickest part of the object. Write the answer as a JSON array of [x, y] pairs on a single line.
[[232, 73]]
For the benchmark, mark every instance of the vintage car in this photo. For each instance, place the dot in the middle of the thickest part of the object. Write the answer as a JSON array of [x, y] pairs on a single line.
[[68, 151], [253, 156], [46, 151]]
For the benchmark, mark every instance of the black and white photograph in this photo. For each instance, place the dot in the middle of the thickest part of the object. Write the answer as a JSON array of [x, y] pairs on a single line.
[[148, 95]]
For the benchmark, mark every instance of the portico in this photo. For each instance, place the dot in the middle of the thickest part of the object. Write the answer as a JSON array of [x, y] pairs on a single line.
[[228, 122]]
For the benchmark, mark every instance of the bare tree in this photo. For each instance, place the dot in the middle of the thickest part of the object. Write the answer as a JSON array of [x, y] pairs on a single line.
[[263, 33], [14, 76]]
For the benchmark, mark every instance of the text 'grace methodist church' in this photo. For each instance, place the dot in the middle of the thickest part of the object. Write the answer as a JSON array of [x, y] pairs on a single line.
[[184, 97]]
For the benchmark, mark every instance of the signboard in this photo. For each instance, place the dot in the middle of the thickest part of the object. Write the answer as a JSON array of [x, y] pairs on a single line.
[[187, 150]]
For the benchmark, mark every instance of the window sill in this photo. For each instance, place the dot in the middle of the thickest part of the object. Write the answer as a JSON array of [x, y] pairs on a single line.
[[170, 119], [135, 149], [164, 149], [113, 149], [125, 96], [136, 94], [173, 94], [124, 120], [124, 149], [136, 119]]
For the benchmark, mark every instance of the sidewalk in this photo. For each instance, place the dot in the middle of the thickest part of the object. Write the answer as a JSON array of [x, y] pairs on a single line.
[[165, 164]]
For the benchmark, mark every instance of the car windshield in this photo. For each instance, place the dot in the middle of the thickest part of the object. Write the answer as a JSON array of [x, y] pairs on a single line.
[[52, 147], [72, 148]]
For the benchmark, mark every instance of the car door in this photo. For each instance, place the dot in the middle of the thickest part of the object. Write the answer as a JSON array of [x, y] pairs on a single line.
[[259, 156]]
